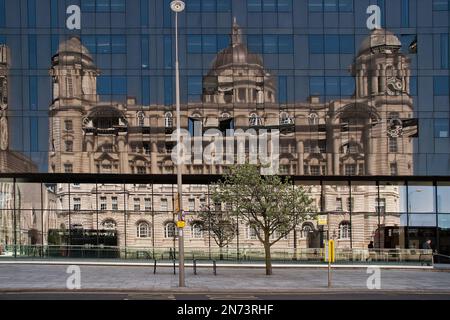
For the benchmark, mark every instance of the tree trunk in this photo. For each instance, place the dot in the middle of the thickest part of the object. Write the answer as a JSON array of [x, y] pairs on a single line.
[[220, 253], [268, 257]]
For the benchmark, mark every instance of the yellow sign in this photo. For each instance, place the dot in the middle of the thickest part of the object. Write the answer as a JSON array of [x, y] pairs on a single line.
[[330, 251], [181, 224], [322, 220]]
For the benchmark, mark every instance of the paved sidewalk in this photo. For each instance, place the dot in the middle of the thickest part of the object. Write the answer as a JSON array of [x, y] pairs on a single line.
[[221, 264], [138, 278]]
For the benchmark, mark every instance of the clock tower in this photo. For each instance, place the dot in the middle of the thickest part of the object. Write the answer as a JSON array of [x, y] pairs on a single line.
[[382, 75], [380, 68]]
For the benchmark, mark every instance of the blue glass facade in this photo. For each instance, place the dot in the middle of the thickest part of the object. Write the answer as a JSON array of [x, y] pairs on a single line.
[[308, 44], [312, 65]]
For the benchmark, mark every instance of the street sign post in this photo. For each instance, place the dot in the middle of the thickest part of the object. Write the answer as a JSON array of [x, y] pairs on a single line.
[[330, 256]]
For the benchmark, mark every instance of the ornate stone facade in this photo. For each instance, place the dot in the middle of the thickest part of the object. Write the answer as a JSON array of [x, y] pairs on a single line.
[[369, 133]]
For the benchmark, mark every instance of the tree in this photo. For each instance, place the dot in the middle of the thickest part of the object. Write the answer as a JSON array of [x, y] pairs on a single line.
[[271, 205], [221, 225]]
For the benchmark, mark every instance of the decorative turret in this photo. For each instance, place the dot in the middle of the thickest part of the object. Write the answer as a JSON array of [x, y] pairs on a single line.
[[74, 72], [380, 68]]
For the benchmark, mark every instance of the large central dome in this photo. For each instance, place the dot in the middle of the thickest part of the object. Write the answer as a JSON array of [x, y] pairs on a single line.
[[236, 54], [238, 76]]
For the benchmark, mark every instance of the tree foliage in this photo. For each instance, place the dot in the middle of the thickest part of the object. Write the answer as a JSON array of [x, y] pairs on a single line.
[[271, 205], [221, 225]]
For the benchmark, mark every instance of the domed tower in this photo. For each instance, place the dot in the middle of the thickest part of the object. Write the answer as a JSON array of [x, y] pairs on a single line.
[[74, 80], [382, 75], [238, 76], [74, 72], [380, 68]]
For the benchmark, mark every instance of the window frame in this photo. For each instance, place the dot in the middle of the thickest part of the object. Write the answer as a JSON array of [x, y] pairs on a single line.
[[169, 228], [345, 230], [143, 230]]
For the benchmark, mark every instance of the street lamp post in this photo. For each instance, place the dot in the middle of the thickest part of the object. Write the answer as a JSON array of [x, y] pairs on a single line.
[[177, 6]]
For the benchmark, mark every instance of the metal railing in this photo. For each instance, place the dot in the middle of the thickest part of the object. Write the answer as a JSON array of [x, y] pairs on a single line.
[[441, 258], [299, 255]]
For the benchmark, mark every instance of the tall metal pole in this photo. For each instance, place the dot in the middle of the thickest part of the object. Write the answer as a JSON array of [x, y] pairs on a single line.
[[328, 248], [178, 6]]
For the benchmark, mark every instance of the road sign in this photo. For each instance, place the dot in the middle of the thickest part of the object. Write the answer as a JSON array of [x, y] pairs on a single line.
[[181, 224], [322, 220]]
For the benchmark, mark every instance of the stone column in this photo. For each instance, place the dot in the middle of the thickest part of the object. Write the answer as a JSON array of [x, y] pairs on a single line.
[[300, 157], [365, 80], [375, 81], [383, 79], [336, 140], [154, 157], [123, 155], [407, 81], [90, 153], [368, 149], [359, 84]]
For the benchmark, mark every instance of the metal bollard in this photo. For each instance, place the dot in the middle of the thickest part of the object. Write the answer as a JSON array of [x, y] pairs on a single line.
[[154, 267], [195, 267], [214, 267], [174, 268]]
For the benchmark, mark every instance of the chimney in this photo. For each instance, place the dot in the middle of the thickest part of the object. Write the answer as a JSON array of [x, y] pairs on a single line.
[[314, 99], [131, 101]]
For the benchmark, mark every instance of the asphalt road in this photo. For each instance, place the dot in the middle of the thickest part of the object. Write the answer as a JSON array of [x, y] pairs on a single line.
[[382, 295]]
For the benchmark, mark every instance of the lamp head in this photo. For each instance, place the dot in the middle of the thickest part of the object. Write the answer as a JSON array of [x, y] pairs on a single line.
[[177, 6]]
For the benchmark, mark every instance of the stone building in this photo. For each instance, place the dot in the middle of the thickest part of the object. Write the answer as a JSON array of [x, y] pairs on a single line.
[[24, 219], [10, 161], [369, 133]]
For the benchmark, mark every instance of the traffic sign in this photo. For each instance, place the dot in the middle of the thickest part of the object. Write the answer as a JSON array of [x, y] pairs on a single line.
[[181, 224]]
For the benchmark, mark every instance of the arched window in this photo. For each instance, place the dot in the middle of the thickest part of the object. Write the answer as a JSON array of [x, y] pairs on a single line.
[[143, 230], [169, 230], [285, 118], [225, 115], [69, 146], [251, 232], [197, 230], [255, 120], [168, 120], [313, 119], [141, 118], [344, 230], [277, 234], [307, 228]]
